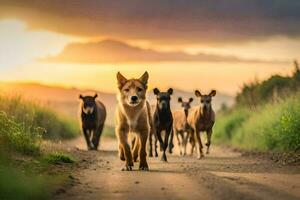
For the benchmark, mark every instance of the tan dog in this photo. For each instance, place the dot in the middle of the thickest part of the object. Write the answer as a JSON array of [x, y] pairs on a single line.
[[181, 128], [202, 118], [133, 116]]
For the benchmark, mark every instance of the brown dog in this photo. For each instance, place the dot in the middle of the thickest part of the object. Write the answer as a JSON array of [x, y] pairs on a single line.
[[202, 118], [181, 128], [133, 116]]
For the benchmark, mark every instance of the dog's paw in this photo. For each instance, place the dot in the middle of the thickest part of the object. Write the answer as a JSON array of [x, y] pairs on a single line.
[[127, 168], [164, 158], [144, 167]]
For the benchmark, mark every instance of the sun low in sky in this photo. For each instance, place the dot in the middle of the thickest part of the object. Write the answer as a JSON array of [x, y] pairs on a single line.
[[201, 44]]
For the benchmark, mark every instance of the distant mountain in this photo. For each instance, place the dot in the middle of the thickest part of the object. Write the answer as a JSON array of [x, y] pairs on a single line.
[[112, 51], [65, 100]]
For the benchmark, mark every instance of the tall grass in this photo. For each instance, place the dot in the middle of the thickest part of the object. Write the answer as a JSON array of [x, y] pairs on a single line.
[[23, 125], [14, 136], [274, 126], [32, 115]]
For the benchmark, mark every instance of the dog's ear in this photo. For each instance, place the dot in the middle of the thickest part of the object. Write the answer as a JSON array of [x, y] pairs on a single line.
[[170, 91], [121, 80], [80, 96], [144, 78], [95, 96], [213, 93], [180, 100], [198, 93], [191, 100], [156, 91]]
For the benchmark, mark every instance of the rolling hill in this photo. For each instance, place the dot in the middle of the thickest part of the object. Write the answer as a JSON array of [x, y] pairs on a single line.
[[65, 100]]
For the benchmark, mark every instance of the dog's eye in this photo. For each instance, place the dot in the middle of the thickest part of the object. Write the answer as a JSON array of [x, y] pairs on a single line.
[[202, 101], [126, 90], [139, 89]]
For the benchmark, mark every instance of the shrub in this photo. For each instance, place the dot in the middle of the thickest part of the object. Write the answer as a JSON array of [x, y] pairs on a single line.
[[14, 136], [33, 115], [274, 126]]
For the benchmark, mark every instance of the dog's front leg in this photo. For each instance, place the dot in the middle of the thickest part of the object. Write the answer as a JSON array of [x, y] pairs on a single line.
[[123, 135], [136, 148], [142, 151]]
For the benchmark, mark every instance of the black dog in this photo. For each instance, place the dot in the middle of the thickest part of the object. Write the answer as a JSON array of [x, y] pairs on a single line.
[[163, 121], [92, 116]]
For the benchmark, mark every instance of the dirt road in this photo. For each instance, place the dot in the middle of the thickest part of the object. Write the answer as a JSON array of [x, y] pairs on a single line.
[[224, 174]]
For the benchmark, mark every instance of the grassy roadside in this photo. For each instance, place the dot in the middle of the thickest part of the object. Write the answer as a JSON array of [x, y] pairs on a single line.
[[26, 172], [32, 115], [273, 126]]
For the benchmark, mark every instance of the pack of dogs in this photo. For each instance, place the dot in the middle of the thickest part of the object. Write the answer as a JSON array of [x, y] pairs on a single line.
[[137, 123]]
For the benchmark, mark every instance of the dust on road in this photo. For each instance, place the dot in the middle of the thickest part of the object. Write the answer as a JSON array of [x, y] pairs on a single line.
[[224, 174]]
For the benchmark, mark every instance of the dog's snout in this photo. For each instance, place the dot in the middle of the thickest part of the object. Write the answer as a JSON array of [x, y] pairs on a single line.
[[134, 98]]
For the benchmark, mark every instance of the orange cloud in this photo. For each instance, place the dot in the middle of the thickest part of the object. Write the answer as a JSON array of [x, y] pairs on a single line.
[[112, 51]]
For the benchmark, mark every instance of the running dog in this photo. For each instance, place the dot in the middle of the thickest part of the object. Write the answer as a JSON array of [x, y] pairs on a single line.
[[92, 118], [180, 126], [202, 118], [133, 117], [163, 121]]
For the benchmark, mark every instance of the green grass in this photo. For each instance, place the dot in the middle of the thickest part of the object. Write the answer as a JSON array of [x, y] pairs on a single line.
[[15, 137], [273, 126], [58, 157], [23, 126], [33, 115], [17, 185]]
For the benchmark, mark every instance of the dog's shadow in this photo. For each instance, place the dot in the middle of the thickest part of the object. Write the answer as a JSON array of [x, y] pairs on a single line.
[[156, 171]]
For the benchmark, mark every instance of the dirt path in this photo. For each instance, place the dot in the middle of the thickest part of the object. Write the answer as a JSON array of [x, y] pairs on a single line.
[[222, 175]]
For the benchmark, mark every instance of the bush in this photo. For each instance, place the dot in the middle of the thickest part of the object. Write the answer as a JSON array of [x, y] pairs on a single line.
[[14, 136], [23, 124], [256, 93], [33, 115], [228, 122], [274, 126]]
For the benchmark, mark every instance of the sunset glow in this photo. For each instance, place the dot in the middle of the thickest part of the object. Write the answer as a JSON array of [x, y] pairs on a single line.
[[20, 46], [54, 52]]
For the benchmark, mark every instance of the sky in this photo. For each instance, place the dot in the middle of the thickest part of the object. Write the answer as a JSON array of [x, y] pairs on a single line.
[[189, 44]]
